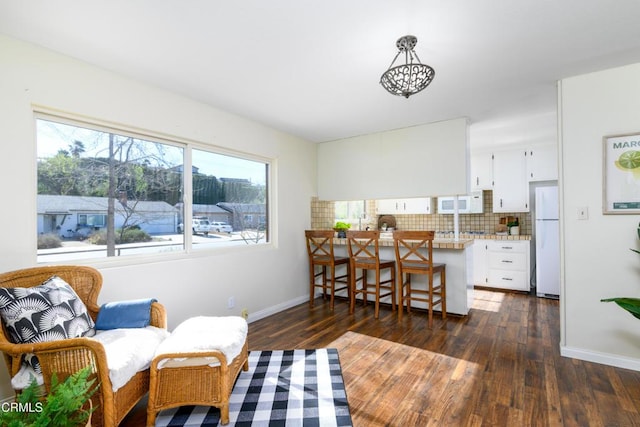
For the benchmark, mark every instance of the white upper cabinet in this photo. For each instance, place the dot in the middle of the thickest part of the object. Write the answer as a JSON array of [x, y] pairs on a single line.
[[542, 163], [510, 184], [386, 206], [418, 205], [481, 171]]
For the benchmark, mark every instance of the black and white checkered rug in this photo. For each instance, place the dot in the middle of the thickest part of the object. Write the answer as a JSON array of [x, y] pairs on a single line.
[[284, 387]]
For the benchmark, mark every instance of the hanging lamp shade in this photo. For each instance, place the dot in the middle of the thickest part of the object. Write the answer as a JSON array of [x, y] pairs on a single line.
[[408, 78]]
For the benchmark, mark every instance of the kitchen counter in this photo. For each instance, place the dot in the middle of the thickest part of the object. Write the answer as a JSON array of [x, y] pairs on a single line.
[[465, 240], [439, 243], [498, 236], [455, 254]]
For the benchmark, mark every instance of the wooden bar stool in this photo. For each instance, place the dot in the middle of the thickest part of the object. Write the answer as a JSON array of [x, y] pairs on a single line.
[[320, 251], [412, 261], [364, 254]]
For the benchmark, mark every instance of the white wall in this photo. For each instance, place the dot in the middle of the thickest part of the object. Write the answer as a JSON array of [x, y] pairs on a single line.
[[420, 161], [597, 260], [259, 278]]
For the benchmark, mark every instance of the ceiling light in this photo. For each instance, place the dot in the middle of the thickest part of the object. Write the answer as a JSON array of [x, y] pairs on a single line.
[[412, 76]]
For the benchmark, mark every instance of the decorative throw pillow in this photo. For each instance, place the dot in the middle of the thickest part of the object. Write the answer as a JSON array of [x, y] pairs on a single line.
[[125, 314], [49, 312]]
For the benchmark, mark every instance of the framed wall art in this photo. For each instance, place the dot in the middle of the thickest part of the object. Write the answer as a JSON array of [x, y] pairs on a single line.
[[621, 174]]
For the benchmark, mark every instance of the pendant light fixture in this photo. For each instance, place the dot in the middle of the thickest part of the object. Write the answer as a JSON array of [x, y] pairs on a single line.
[[412, 76]]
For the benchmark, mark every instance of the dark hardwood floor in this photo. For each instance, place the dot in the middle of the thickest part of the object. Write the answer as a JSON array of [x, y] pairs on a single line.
[[498, 366]]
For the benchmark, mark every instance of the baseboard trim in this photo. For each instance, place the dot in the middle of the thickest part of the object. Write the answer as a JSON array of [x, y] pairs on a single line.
[[602, 358], [276, 308]]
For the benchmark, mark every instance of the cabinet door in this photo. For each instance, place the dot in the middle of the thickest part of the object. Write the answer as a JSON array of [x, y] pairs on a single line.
[[510, 184], [386, 206], [420, 205], [542, 163], [481, 171], [417, 205], [480, 264]]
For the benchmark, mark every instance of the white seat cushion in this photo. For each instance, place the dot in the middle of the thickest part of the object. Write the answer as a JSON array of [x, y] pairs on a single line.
[[129, 351], [226, 334]]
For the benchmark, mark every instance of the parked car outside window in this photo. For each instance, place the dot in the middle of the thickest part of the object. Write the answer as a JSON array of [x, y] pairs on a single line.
[[220, 227], [198, 225]]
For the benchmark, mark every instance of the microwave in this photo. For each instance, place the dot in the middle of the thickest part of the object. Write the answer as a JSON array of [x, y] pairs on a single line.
[[469, 204]]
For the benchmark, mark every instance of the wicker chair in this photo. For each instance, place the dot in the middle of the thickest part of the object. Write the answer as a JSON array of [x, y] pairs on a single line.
[[65, 357]]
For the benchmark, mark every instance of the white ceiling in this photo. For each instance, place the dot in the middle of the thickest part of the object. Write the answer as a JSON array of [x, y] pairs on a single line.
[[312, 68]]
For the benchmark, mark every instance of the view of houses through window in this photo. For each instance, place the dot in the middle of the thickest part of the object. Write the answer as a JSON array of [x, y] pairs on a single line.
[[104, 193]]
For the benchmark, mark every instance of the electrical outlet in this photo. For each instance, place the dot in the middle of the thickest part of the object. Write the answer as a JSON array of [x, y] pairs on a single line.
[[231, 302], [245, 313]]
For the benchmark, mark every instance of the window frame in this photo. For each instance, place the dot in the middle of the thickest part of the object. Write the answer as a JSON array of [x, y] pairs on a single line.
[[187, 250]]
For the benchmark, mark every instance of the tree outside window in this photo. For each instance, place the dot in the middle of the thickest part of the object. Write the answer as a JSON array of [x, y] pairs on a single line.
[[104, 192]]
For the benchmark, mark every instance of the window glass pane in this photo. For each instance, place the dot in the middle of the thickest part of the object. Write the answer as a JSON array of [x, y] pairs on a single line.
[[103, 193], [351, 211], [231, 194]]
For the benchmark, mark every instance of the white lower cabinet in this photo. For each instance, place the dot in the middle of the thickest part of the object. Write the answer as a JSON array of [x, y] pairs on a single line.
[[480, 264], [502, 264]]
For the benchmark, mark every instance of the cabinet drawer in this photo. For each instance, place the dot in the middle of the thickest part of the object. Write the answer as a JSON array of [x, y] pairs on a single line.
[[508, 246], [508, 261], [508, 279]]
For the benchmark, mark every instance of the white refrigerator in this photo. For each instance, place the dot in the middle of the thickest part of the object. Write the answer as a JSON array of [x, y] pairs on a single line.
[[547, 237]]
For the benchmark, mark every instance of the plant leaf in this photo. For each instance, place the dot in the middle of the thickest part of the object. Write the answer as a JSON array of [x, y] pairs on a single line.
[[632, 305]]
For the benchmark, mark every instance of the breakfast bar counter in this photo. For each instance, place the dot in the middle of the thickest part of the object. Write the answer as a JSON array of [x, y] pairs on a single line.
[[456, 254]]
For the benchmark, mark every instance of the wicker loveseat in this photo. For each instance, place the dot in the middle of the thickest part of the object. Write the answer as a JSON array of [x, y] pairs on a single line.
[[70, 355]]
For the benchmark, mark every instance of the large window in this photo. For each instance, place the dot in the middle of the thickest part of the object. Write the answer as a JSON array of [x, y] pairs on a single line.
[[230, 192], [105, 192]]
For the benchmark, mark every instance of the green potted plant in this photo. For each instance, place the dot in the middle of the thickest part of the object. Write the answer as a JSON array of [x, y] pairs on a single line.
[[632, 305], [341, 228], [67, 404]]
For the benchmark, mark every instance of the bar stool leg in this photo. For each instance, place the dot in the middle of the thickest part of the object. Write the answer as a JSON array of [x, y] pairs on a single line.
[[364, 287], [400, 294], [443, 293], [312, 287], [332, 285], [430, 301], [393, 289], [376, 310], [408, 295], [352, 286], [324, 283]]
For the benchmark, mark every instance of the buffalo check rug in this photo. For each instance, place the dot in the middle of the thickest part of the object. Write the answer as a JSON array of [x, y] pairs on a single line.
[[281, 388]]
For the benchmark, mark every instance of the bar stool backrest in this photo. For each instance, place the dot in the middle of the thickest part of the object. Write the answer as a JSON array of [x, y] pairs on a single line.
[[364, 246], [407, 244], [319, 245]]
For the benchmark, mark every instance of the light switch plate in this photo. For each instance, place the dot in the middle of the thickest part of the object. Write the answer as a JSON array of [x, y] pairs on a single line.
[[583, 212]]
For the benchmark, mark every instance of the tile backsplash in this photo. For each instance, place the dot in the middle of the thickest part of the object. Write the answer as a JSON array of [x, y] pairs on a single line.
[[322, 217]]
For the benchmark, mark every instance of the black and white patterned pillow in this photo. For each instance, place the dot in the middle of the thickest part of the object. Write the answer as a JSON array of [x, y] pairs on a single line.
[[49, 312]]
